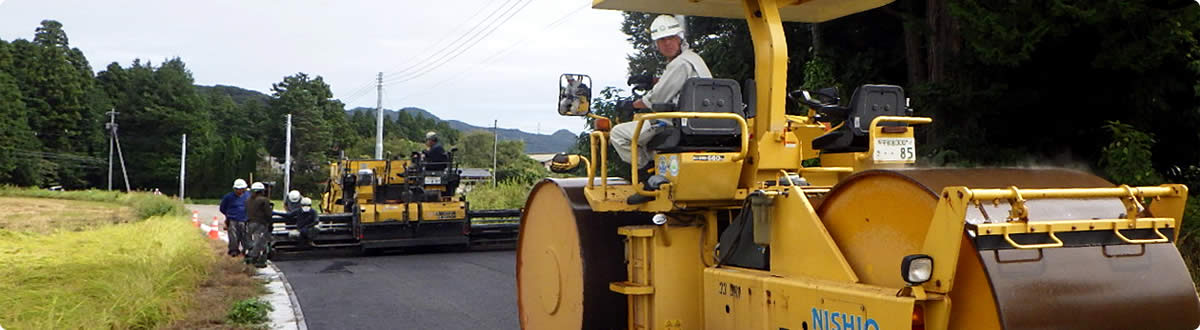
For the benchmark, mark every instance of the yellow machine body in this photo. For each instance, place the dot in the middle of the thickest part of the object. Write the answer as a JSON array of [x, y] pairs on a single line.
[[384, 173], [751, 239]]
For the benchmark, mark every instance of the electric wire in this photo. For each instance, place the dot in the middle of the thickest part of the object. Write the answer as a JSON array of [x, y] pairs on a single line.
[[500, 54], [466, 46], [455, 43]]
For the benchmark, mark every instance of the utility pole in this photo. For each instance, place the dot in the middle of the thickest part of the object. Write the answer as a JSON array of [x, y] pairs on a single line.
[[182, 165], [115, 140], [379, 116], [287, 157], [495, 149], [109, 126]]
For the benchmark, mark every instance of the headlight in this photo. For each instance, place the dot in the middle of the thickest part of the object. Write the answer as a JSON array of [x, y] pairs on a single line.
[[659, 219], [916, 268]]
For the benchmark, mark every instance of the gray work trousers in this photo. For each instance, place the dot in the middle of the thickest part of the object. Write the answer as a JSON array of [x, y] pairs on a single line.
[[621, 138], [259, 235], [239, 241]]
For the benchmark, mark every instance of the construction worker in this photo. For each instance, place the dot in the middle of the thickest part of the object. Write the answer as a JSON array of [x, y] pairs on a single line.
[[292, 202], [233, 206], [435, 156], [306, 222], [683, 64], [258, 225]]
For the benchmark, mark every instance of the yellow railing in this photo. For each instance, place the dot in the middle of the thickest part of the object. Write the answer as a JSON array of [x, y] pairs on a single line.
[[642, 118], [1017, 222]]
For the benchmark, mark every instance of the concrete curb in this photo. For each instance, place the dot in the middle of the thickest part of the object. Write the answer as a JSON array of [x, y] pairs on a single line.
[[286, 314]]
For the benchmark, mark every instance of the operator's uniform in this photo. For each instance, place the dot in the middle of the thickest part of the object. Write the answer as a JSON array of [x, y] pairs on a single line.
[[258, 226], [687, 65], [306, 225], [234, 209]]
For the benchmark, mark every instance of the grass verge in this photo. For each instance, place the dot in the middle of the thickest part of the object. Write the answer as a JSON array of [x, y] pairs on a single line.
[[46, 216], [229, 281], [134, 275], [144, 205], [506, 195]]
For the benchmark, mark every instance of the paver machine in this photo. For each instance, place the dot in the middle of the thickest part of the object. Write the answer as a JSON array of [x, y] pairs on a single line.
[[740, 235], [378, 203]]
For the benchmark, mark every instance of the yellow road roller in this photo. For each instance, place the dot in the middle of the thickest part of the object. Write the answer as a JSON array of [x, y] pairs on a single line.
[[737, 234]]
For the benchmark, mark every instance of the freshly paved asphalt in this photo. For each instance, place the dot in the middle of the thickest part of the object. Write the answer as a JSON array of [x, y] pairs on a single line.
[[411, 289]]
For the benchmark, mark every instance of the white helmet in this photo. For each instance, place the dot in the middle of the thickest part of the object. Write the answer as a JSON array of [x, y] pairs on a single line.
[[294, 196], [239, 184], [665, 26], [257, 186], [431, 136], [306, 201]]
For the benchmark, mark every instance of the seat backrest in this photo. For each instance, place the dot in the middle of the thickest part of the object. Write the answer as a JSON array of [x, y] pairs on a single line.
[[870, 101], [710, 95]]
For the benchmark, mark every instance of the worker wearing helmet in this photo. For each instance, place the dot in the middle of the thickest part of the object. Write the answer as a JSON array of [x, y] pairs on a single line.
[[435, 156], [233, 206], [258, 224], [683, 64], [306, 223], [292, 202]]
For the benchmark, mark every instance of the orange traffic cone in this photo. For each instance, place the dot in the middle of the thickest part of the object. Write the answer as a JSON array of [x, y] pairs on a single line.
[[195, 218], [212, 231]]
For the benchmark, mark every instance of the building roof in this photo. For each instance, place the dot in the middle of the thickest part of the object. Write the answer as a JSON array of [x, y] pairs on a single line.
[[475, 173], [541, 158]]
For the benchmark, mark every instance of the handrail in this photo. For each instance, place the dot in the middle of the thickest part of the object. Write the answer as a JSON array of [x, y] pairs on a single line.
[[1057, 242], [642, 118], [1115, 192]]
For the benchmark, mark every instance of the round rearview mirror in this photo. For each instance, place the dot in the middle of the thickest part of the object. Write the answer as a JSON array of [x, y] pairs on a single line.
[[574, 94]]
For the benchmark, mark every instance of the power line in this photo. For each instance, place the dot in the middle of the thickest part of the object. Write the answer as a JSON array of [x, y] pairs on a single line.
[[468, 45], [505, 51], [434, 55]]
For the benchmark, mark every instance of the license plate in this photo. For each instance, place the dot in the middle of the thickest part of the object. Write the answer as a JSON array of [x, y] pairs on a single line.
[[895, 150], [433, 180]]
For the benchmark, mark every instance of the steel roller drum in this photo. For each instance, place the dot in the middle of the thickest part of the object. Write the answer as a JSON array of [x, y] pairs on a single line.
[[566, 256], [877, 217]]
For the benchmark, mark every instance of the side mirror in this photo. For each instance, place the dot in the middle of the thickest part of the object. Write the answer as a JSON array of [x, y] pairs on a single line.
[[574, 94]]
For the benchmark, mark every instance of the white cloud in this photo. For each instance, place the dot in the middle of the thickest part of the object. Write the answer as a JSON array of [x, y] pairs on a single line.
[[510, 76]]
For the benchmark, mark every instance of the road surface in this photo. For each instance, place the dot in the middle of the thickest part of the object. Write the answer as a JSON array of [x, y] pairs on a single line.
[[414, 289], [425, 288]]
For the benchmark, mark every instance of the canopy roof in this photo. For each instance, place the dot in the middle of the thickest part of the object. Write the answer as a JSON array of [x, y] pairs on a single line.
[[790, 10]]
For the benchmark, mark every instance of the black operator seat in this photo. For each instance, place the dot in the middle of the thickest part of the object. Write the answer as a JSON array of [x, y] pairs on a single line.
[[691, 135], [868, 102]]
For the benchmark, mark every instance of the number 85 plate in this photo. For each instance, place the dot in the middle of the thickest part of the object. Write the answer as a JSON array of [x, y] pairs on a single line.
[[895, 150]]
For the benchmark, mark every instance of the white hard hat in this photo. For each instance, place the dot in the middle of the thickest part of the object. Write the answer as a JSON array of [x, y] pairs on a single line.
[[431, 135], [294, 196], [665, 26], [306, 201], [239, 184], [258, 186]]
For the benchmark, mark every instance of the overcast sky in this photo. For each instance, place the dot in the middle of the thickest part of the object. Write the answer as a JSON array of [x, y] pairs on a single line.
[[510, 75]]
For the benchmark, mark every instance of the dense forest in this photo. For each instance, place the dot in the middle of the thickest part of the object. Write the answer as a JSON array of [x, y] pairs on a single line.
[[54, 111], [1109, 86]]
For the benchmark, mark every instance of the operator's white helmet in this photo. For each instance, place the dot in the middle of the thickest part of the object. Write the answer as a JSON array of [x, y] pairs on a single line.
[[294, 196], [239, 184], [665, 26], [258, 186], [306, 201]]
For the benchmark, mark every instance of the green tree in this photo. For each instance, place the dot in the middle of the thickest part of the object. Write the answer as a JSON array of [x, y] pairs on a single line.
[[57, 88], [17, 141], [320, 129]]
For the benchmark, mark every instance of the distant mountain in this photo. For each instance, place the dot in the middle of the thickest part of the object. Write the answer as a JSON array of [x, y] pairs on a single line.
[[238, 94], [559, 141]]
